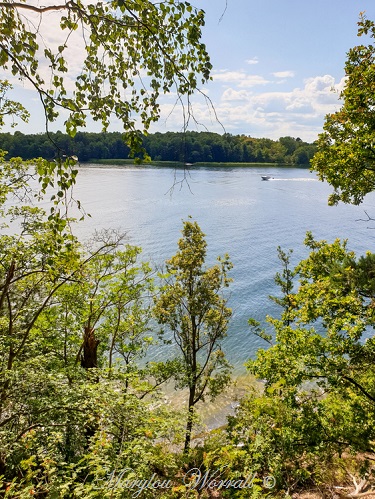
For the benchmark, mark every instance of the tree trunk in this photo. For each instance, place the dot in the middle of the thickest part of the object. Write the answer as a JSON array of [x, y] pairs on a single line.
[[2, 465], [89, 358], [189, 423]]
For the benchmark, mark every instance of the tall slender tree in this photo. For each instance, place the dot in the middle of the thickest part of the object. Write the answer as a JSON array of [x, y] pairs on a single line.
[[195, 311]]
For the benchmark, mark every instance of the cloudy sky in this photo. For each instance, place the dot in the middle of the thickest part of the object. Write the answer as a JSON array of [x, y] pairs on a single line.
[[276, 63]]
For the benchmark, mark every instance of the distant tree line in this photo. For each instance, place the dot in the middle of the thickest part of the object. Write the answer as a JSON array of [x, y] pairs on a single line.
[[189, 147]]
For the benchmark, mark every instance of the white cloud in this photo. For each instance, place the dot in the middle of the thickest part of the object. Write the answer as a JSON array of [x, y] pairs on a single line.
[[252, 81], [298, 112], [254, 60], [284, 74], [232, 95], [320, 84], [241, 78]]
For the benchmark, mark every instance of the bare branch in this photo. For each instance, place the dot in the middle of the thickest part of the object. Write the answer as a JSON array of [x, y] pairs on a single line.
[[369, 219]]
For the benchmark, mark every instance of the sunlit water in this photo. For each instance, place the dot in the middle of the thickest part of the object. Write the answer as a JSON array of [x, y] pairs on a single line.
[[240, 215]]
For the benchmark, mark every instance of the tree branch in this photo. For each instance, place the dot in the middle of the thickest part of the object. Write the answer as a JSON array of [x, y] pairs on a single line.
[[360, 387], [39, 10]]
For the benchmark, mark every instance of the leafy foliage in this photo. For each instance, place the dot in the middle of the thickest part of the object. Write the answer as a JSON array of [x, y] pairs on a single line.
[[318, 400], [132, 51], [346, 154], [192, 308], [70, 412], [126, 54], [9, 107]]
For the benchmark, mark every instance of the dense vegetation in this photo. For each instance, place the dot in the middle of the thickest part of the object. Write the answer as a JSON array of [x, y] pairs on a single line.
[[81, 411], [78, 406], [190, 147]]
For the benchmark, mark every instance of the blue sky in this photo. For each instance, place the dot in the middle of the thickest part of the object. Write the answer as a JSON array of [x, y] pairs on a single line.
[[275, 63]]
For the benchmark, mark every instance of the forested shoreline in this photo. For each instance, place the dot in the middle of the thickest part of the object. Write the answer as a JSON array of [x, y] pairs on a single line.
[[189, 147]]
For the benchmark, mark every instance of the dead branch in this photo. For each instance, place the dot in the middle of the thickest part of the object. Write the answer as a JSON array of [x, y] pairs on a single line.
[[369, 219], [360, 489]]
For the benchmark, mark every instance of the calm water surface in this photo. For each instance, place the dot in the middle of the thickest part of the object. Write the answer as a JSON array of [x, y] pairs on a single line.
[[240, 215]]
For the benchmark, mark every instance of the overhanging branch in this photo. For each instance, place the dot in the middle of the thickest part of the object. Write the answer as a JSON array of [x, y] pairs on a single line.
[[39, 10]]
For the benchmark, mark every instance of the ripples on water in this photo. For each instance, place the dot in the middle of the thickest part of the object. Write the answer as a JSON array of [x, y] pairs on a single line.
[[240, 215]]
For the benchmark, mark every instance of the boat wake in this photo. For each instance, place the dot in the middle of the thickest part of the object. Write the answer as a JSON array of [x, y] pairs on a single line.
[[301, 179]]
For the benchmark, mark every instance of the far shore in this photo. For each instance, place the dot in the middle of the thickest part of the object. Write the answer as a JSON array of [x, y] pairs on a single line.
[[175, 164]]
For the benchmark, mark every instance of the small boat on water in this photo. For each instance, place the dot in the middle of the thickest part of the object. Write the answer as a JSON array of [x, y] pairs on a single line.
[[266, 177]]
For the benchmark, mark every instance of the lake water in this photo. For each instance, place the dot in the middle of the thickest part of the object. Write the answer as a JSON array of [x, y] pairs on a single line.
[[240, 215]]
